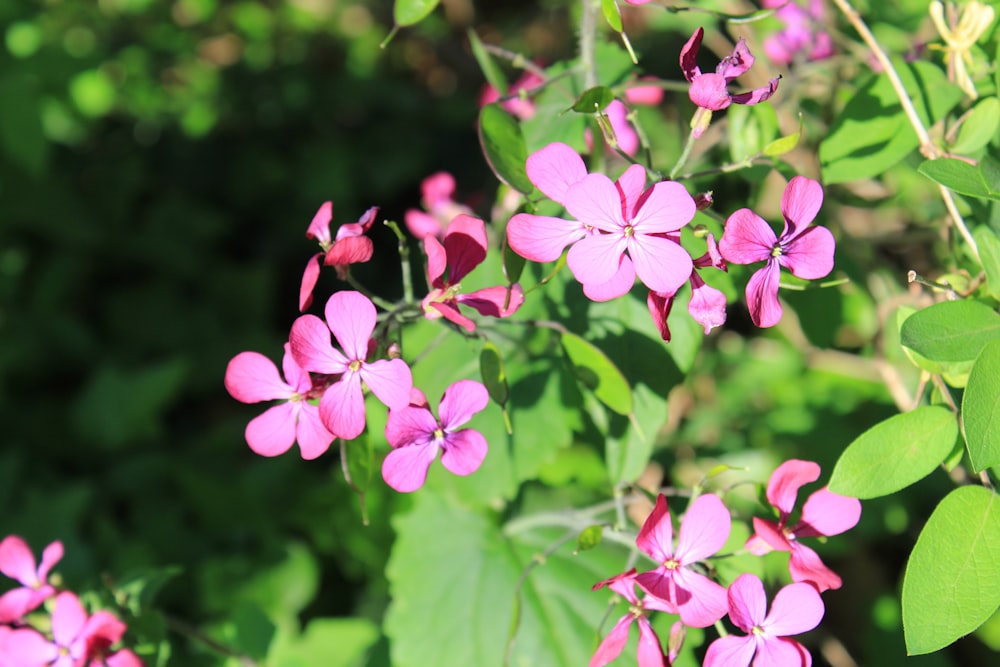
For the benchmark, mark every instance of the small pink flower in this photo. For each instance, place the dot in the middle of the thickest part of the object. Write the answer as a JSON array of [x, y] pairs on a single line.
[[252, 378], [707, 305], [18, 563], [806, 251], [437, 191], [709, 90], [517, 105], [824, 514], [801, 33], [797, 608], [465, 247], [650, 652], [416, 437], [351, 317], [351, 246], [704, 529]]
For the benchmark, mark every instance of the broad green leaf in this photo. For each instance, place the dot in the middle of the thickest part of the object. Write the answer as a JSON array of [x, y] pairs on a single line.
[[895, 453], [902, 313], [589, 537], [784, 144], [952, 580], [872, 133], [492, 72], [612, 14], [960, 176], [989, 253], [330, 642], [593, 368], [503, 145], [951, 330], [408, 12], [493, 374], [593, 100], [979, 127], [981, 408]]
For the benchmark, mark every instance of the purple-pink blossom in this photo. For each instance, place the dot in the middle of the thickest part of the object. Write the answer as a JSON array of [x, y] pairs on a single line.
[[517, 103], [650, 652], [802, 33], [437, 197], [796, 608], [824, 514], [18, 562], [252, 378], [351, 246], [417, 437], [351, 317], [704, 529], [805, 250], [707, 305]]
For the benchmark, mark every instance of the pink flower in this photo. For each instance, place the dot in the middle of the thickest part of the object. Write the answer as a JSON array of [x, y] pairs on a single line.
[[437, 192], [416, 437], [517, 105], [78, 640], [797, 608], [708, 91], [704, 529], [805, 251], [251, 378], [707, 305], [351, 246], [825, 513], [650, 653], [464, 249], [351, 317], [800, 33], [18, 563]]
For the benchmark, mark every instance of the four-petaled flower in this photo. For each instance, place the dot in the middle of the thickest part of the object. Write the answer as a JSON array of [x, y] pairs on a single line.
[[806, 251], [351, 246], [18, 563], [650, 653], [351, 317], [251, 378], [416, 437], [704, 529], [464, 249], [796, 608], [825, 513], [437, 191]]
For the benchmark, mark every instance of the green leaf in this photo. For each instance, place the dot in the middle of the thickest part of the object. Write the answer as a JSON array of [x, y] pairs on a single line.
[[513, 264], [902, 313], [952, 580], [330, 642], [492, 72], [981, 408], [408, 12], [253, 630], [784, 144], [593, 100], [589, 537], [872, 133], [895, 453], [979, 127], [612, 14], [593, 368], [989, 253], [360, 462], [960, 176], [503, 145], [494, 376], [951, 330]]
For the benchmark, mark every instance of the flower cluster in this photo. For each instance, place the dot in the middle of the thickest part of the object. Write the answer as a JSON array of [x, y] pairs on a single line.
[[70, 637], [801, 36]]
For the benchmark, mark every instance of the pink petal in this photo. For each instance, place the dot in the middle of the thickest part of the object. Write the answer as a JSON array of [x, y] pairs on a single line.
[[707, 305], [649, 652], [800, 203], [272, 432], [390, 380], [796, 608], [747, 238], [405, 469], [463, 451], [596, 259], [595, 201], [422, 224], [436, 188], [810, 254], [17, 561], [757, 95], [689, 55], [28, 647], [762, 296], [666, 208], [747, 602], [351, 317], [806, 565], [787, 479], [554, 169], [709, 92], [659, 308], [368, 218], [768, 536], [103, 628], [827, 513], [342, 407], [661, 264], [251, 378], [619, 285], [460, 401], [298, 378], [737, 63], [656, 537], [704, 529], [623, 584], [661, 591], [410, 426], [542, 238], [347, 231], [14, 604], [625, 134], [309, 278], [350, 250], [319, 228], [612, 644], [123, 658], [781, 652], [310, 344], [731, 651], [631, 186], [496, 301], [449, 310], [641, 94], [313, 438], [700, 601], [465, 243], [68, 618]]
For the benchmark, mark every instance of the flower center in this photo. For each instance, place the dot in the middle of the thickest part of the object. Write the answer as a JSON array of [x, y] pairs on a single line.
[[355, 366], [672, 564], [777, 251], [757, 630], [438, 433], [629, 231]]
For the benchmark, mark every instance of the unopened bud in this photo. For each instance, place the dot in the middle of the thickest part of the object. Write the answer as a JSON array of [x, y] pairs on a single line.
[[703, 200], [393, 352]]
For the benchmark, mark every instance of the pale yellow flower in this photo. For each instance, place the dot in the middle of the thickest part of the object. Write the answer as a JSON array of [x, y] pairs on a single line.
[[963, 27]]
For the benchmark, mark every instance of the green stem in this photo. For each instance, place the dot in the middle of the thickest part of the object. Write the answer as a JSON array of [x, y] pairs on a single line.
[[378, 301], [685, 154], [404, 260], [588, 41]]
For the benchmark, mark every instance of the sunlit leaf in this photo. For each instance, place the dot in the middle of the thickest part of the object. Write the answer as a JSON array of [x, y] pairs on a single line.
[[981, 408], [979, 127], [951, 330], [612, 14], [593, 368], [989, 253], [593, 100], [409, 12], [962, 177], [493, 374], [503, 145]]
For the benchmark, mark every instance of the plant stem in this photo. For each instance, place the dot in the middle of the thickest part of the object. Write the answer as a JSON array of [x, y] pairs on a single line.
[[188, 630], [588, 40]]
